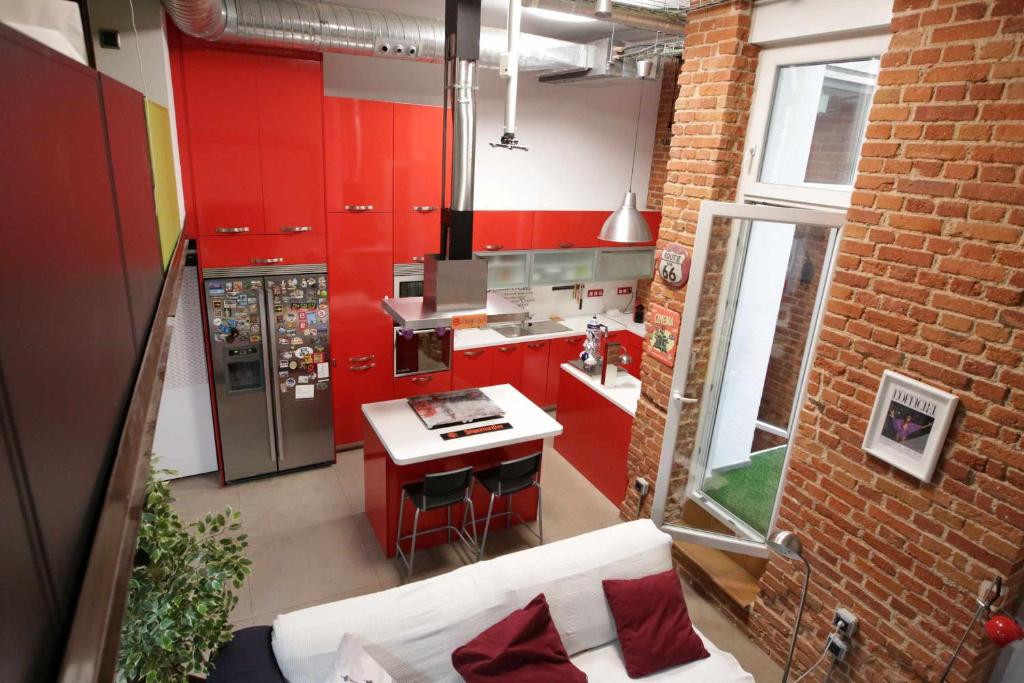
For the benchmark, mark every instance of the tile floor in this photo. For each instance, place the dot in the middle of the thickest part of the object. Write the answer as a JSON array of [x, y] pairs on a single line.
[[310, 542]]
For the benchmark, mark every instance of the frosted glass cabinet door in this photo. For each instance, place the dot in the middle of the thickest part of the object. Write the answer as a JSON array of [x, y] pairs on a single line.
[[562, 266], [625, 264], [506, 269]]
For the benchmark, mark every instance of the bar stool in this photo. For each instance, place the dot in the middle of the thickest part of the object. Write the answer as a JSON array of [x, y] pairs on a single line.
[[511, 476], [444, 489]]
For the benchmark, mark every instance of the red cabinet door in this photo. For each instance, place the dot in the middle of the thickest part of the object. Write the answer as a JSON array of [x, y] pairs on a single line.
[[359, 154], [417, 172], [568, 229], [417, 385], [654, 220], [224, 140], [362, 359], [261, 250], [472, 368], [416, 234], [534, 380], [507, 365], [291, 144], [502, 230], [562, 351]]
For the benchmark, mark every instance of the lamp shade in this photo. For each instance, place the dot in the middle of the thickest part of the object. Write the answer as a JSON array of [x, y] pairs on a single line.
[[603, 9], [626, 225], [787, 544]]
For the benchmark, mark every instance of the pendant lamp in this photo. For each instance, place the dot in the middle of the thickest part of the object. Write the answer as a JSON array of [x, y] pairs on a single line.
[[626, 225], [603, 9]]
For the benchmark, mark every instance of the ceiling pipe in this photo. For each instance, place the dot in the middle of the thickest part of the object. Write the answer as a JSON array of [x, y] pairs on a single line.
[[326, 27], [510, 71], [623, 16]]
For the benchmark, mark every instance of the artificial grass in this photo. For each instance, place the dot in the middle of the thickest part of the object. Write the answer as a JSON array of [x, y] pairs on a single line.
[[749, 491]]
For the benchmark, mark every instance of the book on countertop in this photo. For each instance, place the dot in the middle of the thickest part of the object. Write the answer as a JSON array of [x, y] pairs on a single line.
[[450, 408]]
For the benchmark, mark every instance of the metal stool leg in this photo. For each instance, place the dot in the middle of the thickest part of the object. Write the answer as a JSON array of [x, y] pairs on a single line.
[[449, 525], [487, 524], [540, 514], [398, 536], [415, 529]]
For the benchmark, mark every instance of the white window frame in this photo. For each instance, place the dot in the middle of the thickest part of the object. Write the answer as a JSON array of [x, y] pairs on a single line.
[[770, 60]]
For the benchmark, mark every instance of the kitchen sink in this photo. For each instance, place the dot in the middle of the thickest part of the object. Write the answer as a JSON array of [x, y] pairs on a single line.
[[528, 329]]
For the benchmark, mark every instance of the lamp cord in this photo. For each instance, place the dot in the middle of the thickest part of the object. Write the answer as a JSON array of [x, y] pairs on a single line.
[[967, 632], [636, 135], [812, 667]]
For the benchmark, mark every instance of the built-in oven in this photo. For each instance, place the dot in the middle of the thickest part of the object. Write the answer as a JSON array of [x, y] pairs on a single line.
[[408, 279], [420, 351]]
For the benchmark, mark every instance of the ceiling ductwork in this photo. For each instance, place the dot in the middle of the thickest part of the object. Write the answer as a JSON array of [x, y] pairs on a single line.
[[326, 27], [670, 21]]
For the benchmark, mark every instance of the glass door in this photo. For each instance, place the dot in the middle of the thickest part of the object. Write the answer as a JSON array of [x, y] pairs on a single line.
[[752, 310]]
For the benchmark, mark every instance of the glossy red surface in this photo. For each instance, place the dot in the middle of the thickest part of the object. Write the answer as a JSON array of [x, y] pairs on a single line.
[[417, 170], [249, 250], [567, 229], [223, 115], [472, 368], [534, 380], [596, 437], [561, 351], [417, 385], [359, 153], [416, 234], [507, 365], [291, 143], [502, 230]]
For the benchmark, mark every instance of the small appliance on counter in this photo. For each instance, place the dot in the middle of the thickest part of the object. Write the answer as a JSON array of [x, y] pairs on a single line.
[[593, 346], [419, 351]]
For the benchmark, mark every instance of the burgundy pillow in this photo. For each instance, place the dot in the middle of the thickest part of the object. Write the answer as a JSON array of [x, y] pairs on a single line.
[[524, 646], [654, 627]]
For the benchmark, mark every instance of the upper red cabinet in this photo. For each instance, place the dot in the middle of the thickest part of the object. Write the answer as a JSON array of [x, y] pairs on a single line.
[[416, 234], [568, 229], [359, 151], [417, 171], [291, 144], [502, 230], [222, 105]]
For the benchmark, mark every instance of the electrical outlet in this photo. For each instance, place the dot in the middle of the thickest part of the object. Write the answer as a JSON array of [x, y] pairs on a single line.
[[624, 290], [837, 646], [595, 292], [642, 486], [845, 622]]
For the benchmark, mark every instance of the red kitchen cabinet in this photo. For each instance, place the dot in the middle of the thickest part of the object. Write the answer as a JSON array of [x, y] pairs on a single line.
[[502, 230], [417, 385], [567, 229], [359, 152], [362, 359], [562, 351], [416, 234], [507, 365], [472, 368], [261, 250], [417, 166], [653, 219], [222, 105], [534, 380], [291, 144]]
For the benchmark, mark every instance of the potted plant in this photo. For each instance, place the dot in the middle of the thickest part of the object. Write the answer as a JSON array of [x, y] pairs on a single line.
[[181, 590]]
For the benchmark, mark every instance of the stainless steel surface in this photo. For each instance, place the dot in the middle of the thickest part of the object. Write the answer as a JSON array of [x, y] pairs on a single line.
[[326, 27], [427, 351], [526, 329], [260, 271], [223, 230], [359, 208], [411, 312], [297, 228], [515, 11], [463, 135], [424, 209], [454, 285], [626, 225], [239, 371], [267, 261], [667, 17], [273, 412]]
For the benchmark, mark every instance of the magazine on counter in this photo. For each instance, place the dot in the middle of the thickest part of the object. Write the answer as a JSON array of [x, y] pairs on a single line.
[[451, 408]]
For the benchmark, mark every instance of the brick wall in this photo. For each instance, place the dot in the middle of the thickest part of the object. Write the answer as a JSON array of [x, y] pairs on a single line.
[[929, 283]]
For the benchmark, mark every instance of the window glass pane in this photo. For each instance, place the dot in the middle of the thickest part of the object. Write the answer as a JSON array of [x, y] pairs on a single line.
[[817, 122]]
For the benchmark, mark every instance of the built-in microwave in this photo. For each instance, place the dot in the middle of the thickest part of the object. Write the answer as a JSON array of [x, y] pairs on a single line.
[[420, 351], [408, 279]]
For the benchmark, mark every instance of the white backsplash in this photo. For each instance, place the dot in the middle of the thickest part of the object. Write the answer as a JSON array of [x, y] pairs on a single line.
[[545, 302]]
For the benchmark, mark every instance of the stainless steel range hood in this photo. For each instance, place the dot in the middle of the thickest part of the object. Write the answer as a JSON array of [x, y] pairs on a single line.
[[411, 313]]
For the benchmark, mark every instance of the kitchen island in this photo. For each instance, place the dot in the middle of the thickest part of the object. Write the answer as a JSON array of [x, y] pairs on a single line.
[[399, 449]]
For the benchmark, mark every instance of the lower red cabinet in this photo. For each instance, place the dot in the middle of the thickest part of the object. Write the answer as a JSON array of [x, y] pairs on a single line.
[[534, 380], [472, 368], [417, 385], [507, 364], [562, 351], [363, 369]]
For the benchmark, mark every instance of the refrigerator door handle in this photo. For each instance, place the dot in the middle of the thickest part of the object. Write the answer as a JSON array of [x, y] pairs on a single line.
[[273, 391]]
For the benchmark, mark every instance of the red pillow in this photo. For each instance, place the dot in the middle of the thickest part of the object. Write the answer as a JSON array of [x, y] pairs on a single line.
[[654, 628], [524, 646]]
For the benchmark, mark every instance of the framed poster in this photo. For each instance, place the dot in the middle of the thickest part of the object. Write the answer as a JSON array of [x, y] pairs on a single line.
[[663, 333], [909, 424]]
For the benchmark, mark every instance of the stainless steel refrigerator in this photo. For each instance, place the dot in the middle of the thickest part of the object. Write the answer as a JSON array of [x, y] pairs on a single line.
[[270, 361]]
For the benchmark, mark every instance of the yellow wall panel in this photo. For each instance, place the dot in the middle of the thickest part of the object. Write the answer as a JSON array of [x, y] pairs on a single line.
[[162, 158]]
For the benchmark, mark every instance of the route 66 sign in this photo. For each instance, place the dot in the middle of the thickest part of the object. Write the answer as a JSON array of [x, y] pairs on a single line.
[[674, 265]]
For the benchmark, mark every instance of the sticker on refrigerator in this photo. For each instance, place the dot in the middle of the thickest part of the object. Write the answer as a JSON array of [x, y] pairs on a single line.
[[303, 379], [305, 391], [289, 382], [323, 370]]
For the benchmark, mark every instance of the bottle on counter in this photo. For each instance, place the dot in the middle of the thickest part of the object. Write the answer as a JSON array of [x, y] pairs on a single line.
[[638, 313]]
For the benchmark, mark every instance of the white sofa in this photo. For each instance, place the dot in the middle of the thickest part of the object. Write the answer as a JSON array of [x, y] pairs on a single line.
[[411, 630]]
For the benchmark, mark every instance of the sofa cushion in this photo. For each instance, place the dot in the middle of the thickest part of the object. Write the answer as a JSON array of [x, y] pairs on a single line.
[[411, 630], [524, 646], [654, 628], [353, 663], [246, 658], [604, 665]]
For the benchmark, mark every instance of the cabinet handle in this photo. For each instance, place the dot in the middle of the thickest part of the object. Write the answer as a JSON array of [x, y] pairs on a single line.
[[424, 209], [297, 228], [535, 345], [421, 380], [506, 349], [571, 341], [267, 261], [566, 245], [362, 359], [494, 247], [417, 259], [471, 354], [360, 368], [359, 207], [232, 231]]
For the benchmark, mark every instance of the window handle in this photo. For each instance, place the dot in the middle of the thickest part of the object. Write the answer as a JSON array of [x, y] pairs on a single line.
[[751, 153]]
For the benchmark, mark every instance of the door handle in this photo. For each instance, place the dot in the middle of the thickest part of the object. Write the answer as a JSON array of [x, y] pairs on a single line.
[[357, 208], [267, 261], [362, 359], [418, 259], [494, 247], [424, 209], [421, 380], [506, 349], [471, 354], [566, 245], [678, 396], [232, 231], [361, 368], [535, 345], [297, 228]]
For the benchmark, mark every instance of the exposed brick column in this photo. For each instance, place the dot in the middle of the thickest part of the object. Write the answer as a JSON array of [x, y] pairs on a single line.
[[715, 87], [929, 283]]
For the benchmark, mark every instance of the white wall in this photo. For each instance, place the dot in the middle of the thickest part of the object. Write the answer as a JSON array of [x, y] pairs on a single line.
[[580, 138], [778, 22]]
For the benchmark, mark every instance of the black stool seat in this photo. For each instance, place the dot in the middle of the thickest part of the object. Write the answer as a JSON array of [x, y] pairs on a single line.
[[430, 501], [511, 476], [438, 490], [494, 483]]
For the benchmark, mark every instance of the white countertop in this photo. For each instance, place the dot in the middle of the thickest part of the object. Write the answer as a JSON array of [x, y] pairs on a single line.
[[625, 394], [407, 440], [577, 324]]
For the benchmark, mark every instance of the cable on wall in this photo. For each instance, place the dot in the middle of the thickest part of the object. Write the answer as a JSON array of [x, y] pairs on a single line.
[[138, 49]]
